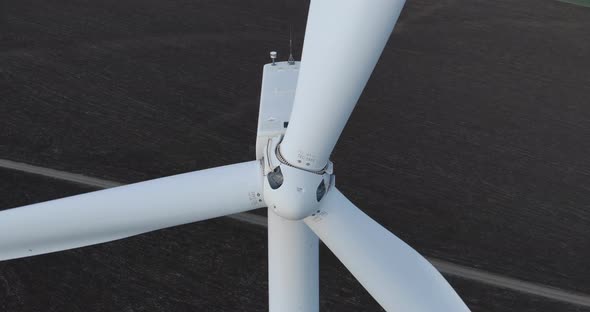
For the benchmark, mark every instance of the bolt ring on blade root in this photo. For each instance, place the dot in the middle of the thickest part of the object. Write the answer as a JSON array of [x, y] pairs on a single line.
[[285, 162]]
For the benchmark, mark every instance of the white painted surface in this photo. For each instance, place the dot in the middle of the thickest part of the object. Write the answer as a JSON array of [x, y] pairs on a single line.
[[276, 101], [120, 212], [445, 267], [293, 266], [393, 273], [343, 41]]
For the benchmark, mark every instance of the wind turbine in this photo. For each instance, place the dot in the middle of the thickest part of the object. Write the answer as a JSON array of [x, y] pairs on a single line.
[[304, 107]]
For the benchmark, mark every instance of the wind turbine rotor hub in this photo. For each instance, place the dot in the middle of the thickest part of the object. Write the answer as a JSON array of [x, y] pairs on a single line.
[[293, 193]]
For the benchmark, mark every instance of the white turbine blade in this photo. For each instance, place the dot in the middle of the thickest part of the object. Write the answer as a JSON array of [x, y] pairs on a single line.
[[129, 210], [395, 275], [343, 41]]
